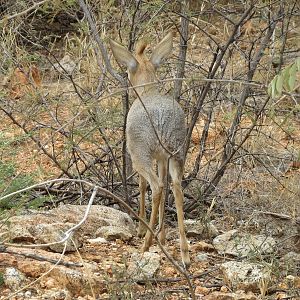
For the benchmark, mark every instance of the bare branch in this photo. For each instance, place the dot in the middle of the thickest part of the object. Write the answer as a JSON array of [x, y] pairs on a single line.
[[184, 34], [99, 41], [22, 13]]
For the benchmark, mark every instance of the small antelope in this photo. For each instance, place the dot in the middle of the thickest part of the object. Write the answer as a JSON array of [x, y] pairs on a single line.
[[155, 132]]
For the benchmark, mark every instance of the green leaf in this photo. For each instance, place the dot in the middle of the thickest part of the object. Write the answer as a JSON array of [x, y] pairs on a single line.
[[292, 79], [279, 83], [298, 63], [273, 84], [286, 77], [270, 88]]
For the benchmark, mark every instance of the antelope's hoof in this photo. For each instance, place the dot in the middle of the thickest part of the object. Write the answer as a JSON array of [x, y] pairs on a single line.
[[162, 237], [142, 231], [186, 259], [148, 242]]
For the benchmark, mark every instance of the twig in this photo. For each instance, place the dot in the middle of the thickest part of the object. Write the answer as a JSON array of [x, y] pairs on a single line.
[[99, 42], [41, 258], [24, 12], [229, 149], [213, 69], [269, 213], [218, 175], [37, 141], [184, 34]]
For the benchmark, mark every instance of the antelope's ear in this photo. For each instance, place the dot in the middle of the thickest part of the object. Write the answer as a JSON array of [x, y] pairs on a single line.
[[162, 50], [123, 56]]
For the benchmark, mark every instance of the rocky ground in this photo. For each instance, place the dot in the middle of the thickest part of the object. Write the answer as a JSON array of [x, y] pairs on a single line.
[[102, 260]]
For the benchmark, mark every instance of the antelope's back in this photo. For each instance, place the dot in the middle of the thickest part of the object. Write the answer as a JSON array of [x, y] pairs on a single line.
[[159, 116]]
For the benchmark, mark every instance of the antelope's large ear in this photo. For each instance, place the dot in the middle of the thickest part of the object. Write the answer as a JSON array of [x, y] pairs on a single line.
[[123, 56], [162, 50]]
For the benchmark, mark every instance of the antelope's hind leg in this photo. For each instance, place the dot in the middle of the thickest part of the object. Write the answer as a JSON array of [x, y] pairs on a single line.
[[142, 213], [143, 165], [162, 173], [176, 172]]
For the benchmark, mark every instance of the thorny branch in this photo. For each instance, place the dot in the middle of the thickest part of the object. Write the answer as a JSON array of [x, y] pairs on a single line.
[[213, 69], [184, 34], [229, 151], [24, 12]]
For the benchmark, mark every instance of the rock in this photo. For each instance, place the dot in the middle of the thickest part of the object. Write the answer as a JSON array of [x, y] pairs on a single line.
[[169, 271], [21, 234], [292, 282], [57, 295], [50, 233], [99, 216], [220, 296], [282, 295], [111, 233], [22, 227], [296, 282], [77, 280], [196, 229], [224, 289], [28, 294], [143, 266], [8, 259], [202, 246], [46, 227], [65, 66], [201, 290], [290, 262], [49, 283], [236, 244], [74, 280], [202, 257], [13, 278], [245, 276], [239, 295], [5, 293], [98, 240]]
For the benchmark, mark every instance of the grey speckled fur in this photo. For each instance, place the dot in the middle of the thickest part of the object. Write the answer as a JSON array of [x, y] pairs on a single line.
[[168, 120]]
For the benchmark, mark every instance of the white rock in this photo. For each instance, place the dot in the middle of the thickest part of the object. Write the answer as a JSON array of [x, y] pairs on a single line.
[[98, 240], [202, 257], [245, 276], [21, 234], [51, 233], [290, 262], [28, 294], [13, 278], [57, 295], [99, 216], [47, 227], [65, 65], [196, 229], [112, 233], [237, 244], [143, 266]]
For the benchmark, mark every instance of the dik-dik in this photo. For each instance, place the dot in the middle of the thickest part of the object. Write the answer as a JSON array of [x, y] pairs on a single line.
[[155, 131]]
